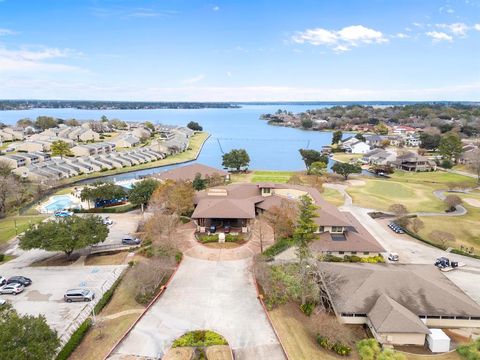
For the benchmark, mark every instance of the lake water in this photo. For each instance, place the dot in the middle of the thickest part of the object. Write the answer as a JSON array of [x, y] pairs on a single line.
[[269, 147]]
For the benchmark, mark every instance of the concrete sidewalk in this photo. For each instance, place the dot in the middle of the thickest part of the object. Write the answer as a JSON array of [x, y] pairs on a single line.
[[214, 295]]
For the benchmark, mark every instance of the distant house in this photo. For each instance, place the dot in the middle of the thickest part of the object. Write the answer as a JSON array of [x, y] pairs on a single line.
[[93, 149], [16, 134], [379, 157], [141, 133], [412, 141], [32, 146], [355, 146], [398, 302], [413, 162], [403, 130], [126, 141], [188, 173], [470, 152]]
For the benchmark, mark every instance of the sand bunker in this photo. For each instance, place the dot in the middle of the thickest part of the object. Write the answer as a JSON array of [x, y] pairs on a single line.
[[472, 202], [356, 182]]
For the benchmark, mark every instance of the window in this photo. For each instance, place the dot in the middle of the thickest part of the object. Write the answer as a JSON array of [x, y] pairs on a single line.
[[337, 229], [461, 317], [321, 229], [341, 252], [448, 317], [329, 253], [366, 253], [347, 314], [266, 190], [353, 253]]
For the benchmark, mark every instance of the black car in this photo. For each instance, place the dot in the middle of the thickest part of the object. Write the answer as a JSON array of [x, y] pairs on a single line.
[[129, 240], [22, 280], [213, 229]]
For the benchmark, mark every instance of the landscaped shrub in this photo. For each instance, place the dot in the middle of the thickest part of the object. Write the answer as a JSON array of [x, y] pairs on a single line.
[[2, 257], [233, 238], [280, 246], [352, 258], [373, 259], [178, 256], [447, 164], [200, 338], [368, 349], [307, 308], [74, 341], [337, 347], [107, 296], [332, 258], [208, 238], [471, 351]]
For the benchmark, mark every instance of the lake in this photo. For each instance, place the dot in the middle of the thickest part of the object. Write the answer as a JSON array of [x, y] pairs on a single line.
[[269, 147]]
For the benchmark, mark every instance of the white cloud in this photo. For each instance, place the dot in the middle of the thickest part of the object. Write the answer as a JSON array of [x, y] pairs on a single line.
[[401, 36], [4, 32], [340, 40], [194, 79], [439, 36], [34, 59], [216, 8], [477, 27], [229, 74], [458, 29]]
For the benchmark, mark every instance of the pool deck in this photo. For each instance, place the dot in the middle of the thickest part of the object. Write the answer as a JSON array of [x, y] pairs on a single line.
[[42, 208]]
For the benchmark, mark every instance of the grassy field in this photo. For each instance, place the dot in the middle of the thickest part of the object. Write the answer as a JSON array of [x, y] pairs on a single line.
[[194, 147], [6, 258], [414, 190], [271, 176], [7, 226], [449, 356], [333, 196], [345, 157]]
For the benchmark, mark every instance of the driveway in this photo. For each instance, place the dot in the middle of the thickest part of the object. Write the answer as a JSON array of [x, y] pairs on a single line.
[[215, 295], [123, 224]]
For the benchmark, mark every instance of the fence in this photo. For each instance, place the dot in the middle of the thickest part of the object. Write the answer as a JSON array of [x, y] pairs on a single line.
[[87, 310]]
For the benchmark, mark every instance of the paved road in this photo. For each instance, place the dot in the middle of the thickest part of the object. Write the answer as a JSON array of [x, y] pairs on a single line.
[[215, 295]]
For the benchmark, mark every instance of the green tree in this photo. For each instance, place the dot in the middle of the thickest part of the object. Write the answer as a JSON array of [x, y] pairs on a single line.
[[103, 118], [303, 234], [60, 148], [101, 192], [381, 129], [142, 191], [310, 156], [236, 159], [317, 168], [149, 125], [337, 137], [7, 185], [450, 146], [46, 122], [23, 123], [198, 183], [345, 169], [360, 137], [307, 123], [429, 141], [72, 122], [26, 337], [66, 234], [195, 126]]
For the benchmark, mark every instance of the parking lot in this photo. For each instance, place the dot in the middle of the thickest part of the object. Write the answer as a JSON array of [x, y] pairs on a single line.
[[123, 224], [45, 295]]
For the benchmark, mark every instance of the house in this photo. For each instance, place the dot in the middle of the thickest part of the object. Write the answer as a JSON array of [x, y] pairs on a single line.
[[188, 173], [470, 152], [5, 136], [412, 141], [403, 130], [16, 134], [237, 205], [141, 133], [93, 149], [14, 161], [32, 146], [379, 157], [398, 302], [78, 133], [375, 140], [355, 146], [413, 162], [126, 141]]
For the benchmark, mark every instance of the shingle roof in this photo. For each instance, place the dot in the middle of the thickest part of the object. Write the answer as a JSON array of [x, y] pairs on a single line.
[[188, 172], [222, 208], [388, 316]]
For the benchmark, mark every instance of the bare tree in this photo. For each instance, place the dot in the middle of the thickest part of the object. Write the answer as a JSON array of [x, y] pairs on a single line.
[[161, 230], [452, 201], [149, 275], [260, 229], [398, 209], [417, 224], [474, 162], [444, 238], [282, 219]]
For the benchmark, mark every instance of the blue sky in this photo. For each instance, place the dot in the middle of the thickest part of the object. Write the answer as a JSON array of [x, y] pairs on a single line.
[[240, 50]]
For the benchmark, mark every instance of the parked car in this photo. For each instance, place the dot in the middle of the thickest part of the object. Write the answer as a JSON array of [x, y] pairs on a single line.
[[2, 302], [14, 289], [442, 262], [130, 240], [63, 213], [393, 256], [3, 281], [212, 229], [396, 228], [107, 221], [20, 280], [78, 295], [227, 229]]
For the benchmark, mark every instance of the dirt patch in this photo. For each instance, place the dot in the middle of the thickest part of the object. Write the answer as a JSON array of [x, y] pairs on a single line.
[[356, 182], [106, 259], [180, 353], [58, 260], [472, 202], [35, 295]]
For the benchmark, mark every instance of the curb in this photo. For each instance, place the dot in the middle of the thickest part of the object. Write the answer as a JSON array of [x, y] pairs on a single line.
[[260, 298], [154, 300]]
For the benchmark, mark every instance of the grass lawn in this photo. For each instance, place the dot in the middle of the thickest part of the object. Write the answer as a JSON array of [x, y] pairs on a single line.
[[333, 196], [194, 147], [7, 226], [438, 177], [345, 157], [380, 194], [465, 228], [449, 356], [7, 258], [271, 176]]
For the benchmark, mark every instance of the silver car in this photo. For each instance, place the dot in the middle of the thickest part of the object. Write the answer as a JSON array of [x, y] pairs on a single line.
[[79, 295], [13, 288]]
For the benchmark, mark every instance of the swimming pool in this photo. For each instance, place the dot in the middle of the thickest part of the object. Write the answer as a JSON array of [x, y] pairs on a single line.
[[59, 202]]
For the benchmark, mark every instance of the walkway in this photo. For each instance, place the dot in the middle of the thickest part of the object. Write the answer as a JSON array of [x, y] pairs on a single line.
[[216, 295]]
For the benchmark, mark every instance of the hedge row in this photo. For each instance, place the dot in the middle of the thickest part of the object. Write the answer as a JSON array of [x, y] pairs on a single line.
[[337, 347], [280, 246], [107, 296], [75, 340]]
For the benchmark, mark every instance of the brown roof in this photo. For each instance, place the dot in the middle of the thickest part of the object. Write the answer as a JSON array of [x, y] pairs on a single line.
[[422, 289], [188, 172], [388, 316], [351, 240], [224, 208]]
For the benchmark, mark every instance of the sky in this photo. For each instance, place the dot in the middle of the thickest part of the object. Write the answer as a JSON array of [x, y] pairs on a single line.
[[244, 50]]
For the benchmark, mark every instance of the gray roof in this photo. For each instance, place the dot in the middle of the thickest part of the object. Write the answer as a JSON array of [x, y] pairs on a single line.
[[422, 289], [388, 316]]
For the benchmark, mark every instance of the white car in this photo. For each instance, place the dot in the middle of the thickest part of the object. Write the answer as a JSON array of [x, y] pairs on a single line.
[[2, 302], [3, 281], [107, 221], [393, 256], [13, 288]]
